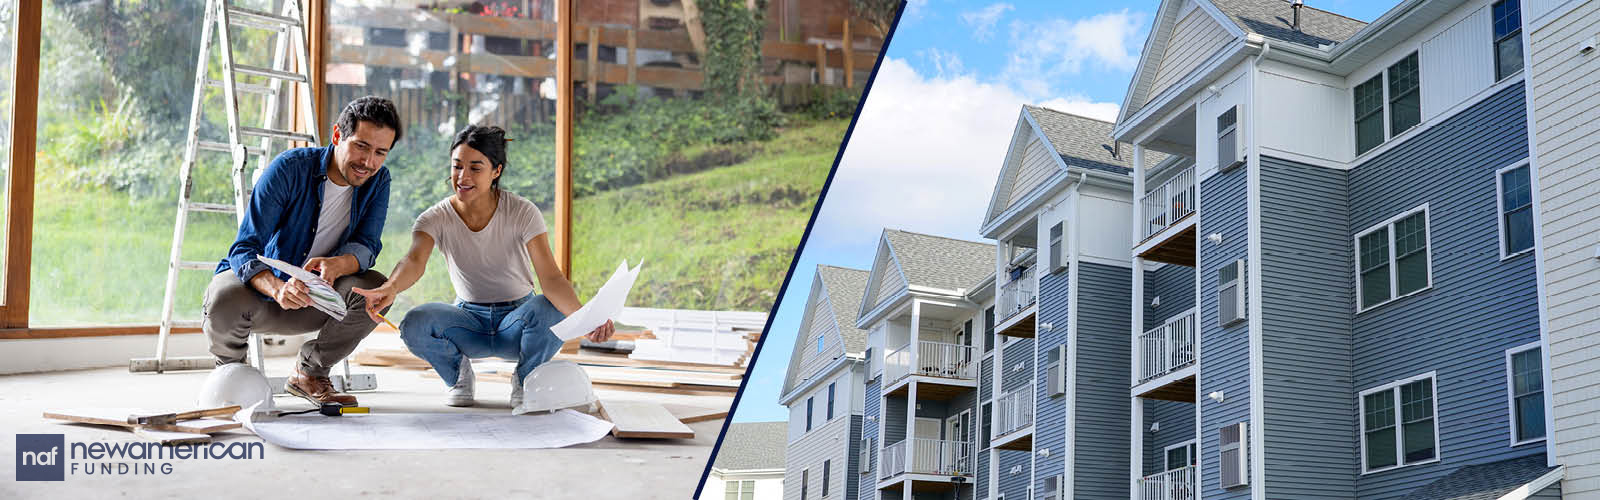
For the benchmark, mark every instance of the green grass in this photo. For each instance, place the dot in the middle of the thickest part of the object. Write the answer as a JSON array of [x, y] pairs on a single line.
[[716, 239]]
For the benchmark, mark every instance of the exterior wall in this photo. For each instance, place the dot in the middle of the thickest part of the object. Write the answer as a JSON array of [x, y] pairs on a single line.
[[847, 480], [768, 486], [824, 443], [1286, 96], [1307, 297], [1050, 412], [820, 322], [1224, 352], [1461, 60], [888, 281], [1100, 416], [1567, 149], [1196, 37], [1177, 426], [1175, 285], [894, 420], [1479, 305], [1016, 371], [985, 395], [845, 386], [1038, 163], [868, 489]]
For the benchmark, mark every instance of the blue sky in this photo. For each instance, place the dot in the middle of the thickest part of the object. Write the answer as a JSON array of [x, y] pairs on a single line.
[[929, 142]]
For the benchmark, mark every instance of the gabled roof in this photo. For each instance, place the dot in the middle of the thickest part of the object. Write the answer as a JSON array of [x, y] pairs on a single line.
[[1484, 481], [928, 261], [1275, 19], [845, 287], [1081, 141], [753, 446]]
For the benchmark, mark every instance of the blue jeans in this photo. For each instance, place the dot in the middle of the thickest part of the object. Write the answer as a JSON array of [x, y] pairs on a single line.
[[518, 330]]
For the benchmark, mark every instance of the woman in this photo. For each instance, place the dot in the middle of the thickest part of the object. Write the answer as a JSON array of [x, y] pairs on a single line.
[[487, 236]]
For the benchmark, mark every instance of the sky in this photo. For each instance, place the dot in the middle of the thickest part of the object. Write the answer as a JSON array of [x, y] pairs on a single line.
[[931, 135]]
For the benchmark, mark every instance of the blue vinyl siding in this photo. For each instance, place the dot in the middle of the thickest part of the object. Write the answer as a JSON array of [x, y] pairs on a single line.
[[1050, 412], [985, 393], [1018, 353], [873, 408], [1307, 302], [1479, 306], [1100, 419], [894, 419], [1175, 285], [852, 468], [1177, 426], [1224, 352]]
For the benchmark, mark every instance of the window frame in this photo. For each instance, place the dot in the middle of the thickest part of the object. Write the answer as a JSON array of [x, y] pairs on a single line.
[[1399, 422], [986, 425], [1383, 78], [1511, 392], [1390, 99], [827, 473], [829, 417], [988, 330], [1382, 113], [1192, 446], [1394, 272], [1516, 34], [805, 482], [810, 408], [1500, 207]]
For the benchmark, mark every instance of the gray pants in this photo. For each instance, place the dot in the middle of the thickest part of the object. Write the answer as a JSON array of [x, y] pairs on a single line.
[[232, 310]]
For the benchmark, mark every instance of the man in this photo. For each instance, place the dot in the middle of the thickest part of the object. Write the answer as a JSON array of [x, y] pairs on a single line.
[[322, 209]]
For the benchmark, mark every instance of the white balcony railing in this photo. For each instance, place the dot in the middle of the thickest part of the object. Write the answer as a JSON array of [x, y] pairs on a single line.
[[894, 460], [1017, 294], [928, 456], [1167, 348], [1168, 203], [1013, 412], [1176, 484], [934, 359]]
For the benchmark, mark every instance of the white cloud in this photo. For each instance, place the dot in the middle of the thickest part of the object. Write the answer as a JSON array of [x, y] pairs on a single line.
[[1053, 50], [924, 156], [946, 64], [983, 20], [913, 11]]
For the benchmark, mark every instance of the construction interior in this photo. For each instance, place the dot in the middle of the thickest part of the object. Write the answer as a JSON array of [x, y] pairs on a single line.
[[555, 56]]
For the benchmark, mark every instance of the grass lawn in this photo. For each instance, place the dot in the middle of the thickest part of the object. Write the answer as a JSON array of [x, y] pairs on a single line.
[[715, 239]]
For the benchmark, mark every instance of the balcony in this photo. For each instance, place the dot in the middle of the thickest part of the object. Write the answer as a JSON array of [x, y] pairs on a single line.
[[1164, 208], [1014, 420], [949, 369], [1176, 484], [1016, 304], [935, 457], [1165, 350]]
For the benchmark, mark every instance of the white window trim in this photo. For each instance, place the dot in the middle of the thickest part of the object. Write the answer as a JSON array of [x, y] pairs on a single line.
[[1511, 393], [986, 418], [1494, 42], [1500, 205], [821, 344], [1165, 454], [1394, 270], [1399, 423]]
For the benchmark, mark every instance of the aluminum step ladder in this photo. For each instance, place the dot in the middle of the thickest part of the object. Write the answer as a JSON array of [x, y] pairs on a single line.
[[290, 40]]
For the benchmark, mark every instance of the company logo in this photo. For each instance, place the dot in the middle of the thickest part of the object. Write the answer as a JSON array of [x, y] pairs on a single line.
[[41, 457]]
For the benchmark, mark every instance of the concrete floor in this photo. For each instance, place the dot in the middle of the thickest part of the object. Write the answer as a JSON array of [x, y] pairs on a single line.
[[608, 468]]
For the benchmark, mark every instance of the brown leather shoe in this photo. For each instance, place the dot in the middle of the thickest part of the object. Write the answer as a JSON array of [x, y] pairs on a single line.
[[318, 390]]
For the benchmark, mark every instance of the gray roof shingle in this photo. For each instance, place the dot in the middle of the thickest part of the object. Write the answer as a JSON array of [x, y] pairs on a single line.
[[1275, 19], [845, 288], [1487, 481], [753, 446], [940, 262], [1086, 142]]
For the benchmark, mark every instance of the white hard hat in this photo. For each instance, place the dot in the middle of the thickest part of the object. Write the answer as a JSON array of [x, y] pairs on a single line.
[[556, 385], [235, 384]]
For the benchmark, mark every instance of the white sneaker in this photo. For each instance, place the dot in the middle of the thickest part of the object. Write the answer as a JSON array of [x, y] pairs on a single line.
[[461, 393], [516, 395]]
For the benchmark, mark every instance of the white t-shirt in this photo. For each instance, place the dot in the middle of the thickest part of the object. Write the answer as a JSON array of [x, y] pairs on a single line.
[[333, 219], [492, 264]]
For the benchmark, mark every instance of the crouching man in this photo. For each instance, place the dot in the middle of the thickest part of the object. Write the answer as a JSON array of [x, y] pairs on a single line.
[[322, 209]]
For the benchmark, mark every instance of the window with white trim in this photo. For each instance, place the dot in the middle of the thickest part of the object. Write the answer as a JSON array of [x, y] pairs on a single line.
[[1399, 424], [988, 422], [1403, 96], [830, 402], [1057, 258], [827, 475], [805, 483], [988, 329], [820, 344], [1180, 455], [740, 490], [810, 409], [1507, 38], [1525, 378], [1516, 210], [1393, 259]]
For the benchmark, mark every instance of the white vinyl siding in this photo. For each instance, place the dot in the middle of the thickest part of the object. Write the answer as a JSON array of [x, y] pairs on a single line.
[[1458, 62], [820, 344], [1393, 259], [1194, 39], [1516, 210], [1525, 390], [1038, 163], [1399, 424], [829, 443]]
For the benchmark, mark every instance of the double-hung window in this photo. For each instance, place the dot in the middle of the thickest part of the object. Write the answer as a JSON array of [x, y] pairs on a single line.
[[830, 403], [988, 329], [1403, 99], [740, 490], [1516, 210], [1507, 38], [810, 408], [1525, 367], [1392, 259], [1399, 424]]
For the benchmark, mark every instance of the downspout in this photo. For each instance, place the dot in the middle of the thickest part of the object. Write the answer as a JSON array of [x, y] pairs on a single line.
[[1257, 447]]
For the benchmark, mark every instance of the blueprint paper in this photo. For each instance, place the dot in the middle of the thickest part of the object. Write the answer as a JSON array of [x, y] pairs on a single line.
[[606, 304], [323, 296], [426, 431]]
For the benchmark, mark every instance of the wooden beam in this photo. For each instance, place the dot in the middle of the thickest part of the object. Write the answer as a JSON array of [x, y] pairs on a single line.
[[85, 331], [822, 64], [24, 140], [633, 57], [316, 41], [849, 49], [696, 29], [563, 181], [592, 80]]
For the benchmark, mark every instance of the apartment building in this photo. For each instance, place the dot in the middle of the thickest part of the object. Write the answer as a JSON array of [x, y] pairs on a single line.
[[1337, 293], [750, 465], [823, 390]]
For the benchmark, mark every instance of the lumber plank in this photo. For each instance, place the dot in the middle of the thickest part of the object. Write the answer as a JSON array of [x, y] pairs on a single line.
[[119, 417], [643, 420], [170, 438], [691, 414], [584, 358]]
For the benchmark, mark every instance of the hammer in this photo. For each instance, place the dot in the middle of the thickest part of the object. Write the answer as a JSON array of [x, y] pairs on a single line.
[[173, 418]]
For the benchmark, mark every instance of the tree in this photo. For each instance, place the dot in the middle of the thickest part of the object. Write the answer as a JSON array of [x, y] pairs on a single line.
[[878, 12]]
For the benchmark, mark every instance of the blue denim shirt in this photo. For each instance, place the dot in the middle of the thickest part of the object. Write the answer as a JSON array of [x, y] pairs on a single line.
[[281, 220]]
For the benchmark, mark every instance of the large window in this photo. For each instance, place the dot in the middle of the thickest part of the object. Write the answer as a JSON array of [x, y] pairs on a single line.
[[1516, 210], [1507, 38], [1393, 260], [1403, 97], [1525, 374], [1399, 424]]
